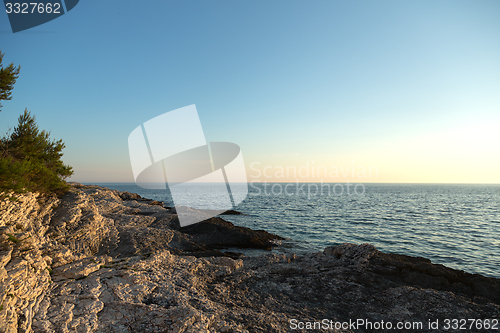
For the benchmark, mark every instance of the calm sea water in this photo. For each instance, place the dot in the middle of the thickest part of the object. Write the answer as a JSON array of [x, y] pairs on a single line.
[[454, 225]]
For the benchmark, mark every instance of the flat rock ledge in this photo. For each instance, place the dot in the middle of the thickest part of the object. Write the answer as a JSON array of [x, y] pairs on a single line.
[[99, 260]]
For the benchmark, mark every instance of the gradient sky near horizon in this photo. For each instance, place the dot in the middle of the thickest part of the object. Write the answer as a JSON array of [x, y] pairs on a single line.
[[409, 90]]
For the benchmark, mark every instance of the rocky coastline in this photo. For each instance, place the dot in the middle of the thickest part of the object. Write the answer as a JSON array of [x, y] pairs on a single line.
[[100, 260]]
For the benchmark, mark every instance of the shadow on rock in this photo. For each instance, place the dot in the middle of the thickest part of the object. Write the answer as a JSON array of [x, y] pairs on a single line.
[[218, 233]]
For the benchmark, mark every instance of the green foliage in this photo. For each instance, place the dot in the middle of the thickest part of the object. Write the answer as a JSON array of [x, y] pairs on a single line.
[[30, 161], [13, 238], [16, 240], [8, 77], [12, 174]]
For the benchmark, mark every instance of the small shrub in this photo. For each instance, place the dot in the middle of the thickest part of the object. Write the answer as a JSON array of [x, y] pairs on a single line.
[[13, 239]]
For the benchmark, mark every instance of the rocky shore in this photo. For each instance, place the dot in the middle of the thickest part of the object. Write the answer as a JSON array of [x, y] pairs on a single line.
[[99, 260]]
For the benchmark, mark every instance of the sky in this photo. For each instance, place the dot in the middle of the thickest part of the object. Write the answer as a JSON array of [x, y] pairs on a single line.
[[333, 91]]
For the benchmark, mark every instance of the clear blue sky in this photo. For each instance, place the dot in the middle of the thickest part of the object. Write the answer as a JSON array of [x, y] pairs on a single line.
[[408, 88]]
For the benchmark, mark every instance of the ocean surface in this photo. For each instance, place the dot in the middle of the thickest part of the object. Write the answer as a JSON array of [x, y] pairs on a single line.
[[454, 225]]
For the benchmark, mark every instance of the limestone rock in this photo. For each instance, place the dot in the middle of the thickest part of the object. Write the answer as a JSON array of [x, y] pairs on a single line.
[[79, 269]]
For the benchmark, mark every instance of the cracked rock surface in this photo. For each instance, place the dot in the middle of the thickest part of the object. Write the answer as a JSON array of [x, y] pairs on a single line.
[[99, 260]]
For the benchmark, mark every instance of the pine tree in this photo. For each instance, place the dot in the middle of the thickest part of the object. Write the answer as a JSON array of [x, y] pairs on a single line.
[[8, 77], [31, 161]]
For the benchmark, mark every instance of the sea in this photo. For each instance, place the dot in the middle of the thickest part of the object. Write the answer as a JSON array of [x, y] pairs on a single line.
[[454, 225]]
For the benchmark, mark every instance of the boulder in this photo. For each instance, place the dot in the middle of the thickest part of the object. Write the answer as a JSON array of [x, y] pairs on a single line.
[[129, 196], [217, 233]]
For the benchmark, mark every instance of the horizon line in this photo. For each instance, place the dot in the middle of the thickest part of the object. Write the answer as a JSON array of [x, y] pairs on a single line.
[[294, 182]]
